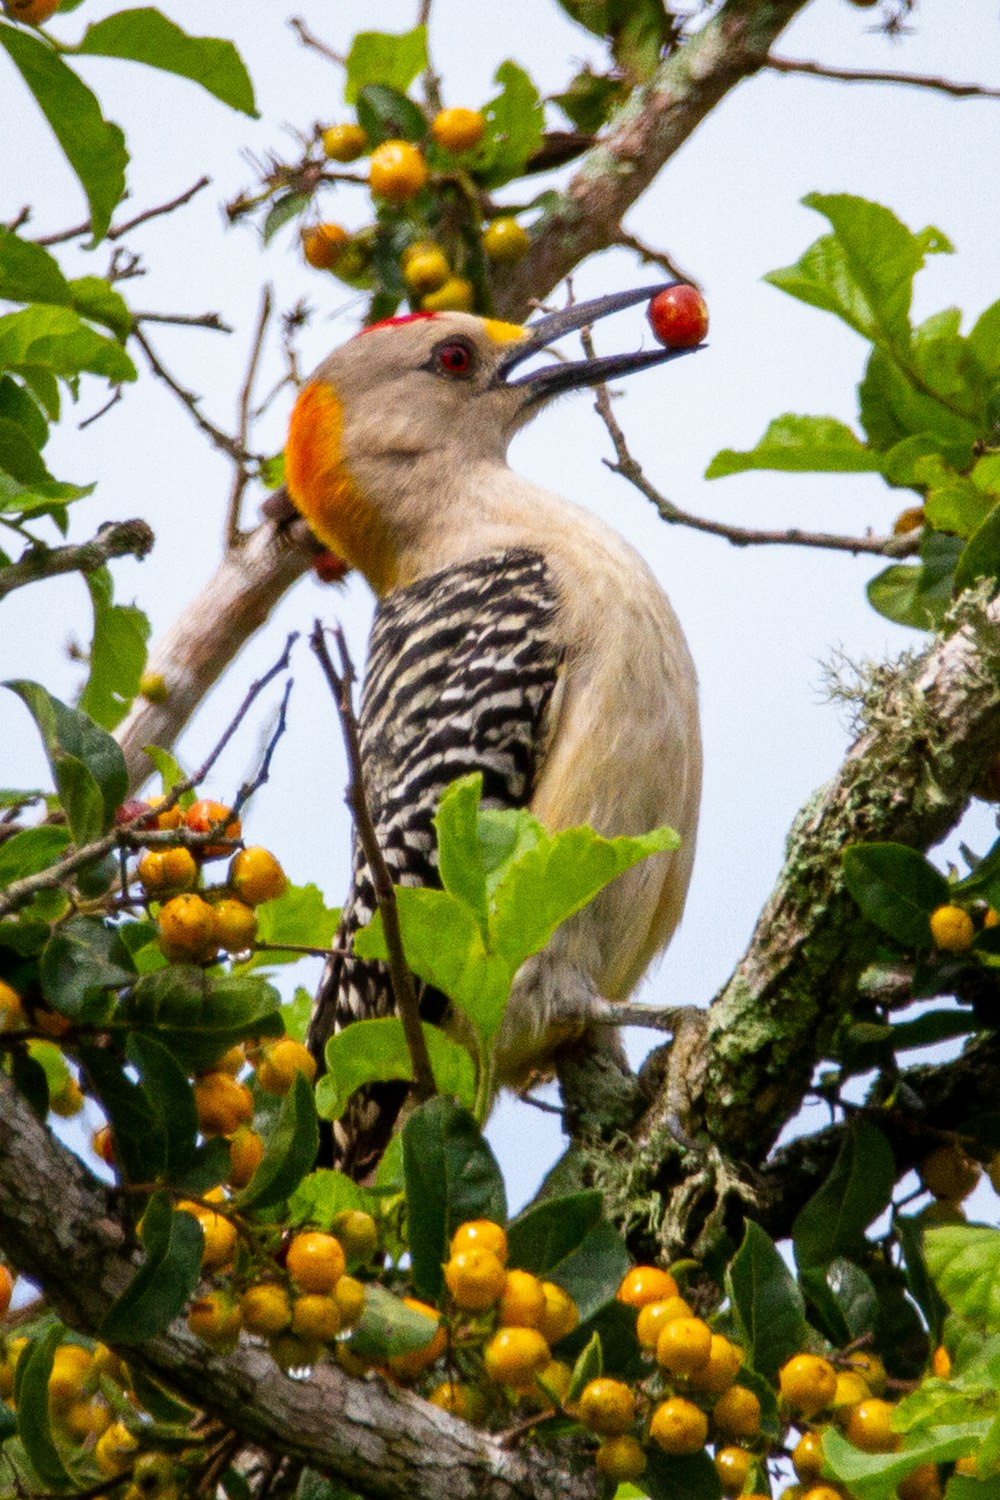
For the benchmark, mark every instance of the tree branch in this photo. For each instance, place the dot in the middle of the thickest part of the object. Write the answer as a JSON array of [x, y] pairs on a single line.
[[372, 1436], [866, 75], [241, 478], [220, 439], [116, 539], [118, 230]]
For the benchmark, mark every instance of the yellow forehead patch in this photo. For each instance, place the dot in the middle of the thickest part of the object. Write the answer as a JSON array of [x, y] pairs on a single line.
[[503, 333]]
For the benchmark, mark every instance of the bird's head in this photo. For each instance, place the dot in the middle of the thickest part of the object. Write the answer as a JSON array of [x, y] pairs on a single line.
[[431, 394]]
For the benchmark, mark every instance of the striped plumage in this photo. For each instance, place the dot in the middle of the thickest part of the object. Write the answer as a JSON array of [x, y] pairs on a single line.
[[515, 635]]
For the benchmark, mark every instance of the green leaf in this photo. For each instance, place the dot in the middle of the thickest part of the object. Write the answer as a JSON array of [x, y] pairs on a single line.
[[958, 505], [843, 1299], [17, 405], [164, 1282], [146, 36], [639, 32], [19, 457], [984, 339], [667, 1477], [171, 772], [171, 1097], [291, 1150], [514, 123], [964, 1260], [589, 1366], [376, 1051], [95, 298], [94, 147], [87, 764], [896, 889], [919, 596], [798, 445], [57, 340], [460, 859], [83, 960], [981, 557], [858, 1189], [379, 57], [28, 273], [591, 99], [281, 212], [140, 1151], [322, 1195], [34, 1369], [299, 916], [909, 1232], [451, 1175], [117, 654], [387, 1326], [766, 1301], [569, 1241], [199, 1017], [53, 1064], [874, 1476], [31, 850], [385, 114]]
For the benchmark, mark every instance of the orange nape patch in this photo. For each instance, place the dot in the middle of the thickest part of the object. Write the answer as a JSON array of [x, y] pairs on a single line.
[[324, 492]]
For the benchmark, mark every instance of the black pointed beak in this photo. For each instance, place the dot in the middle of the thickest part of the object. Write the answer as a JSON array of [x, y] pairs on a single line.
[[569, 374]]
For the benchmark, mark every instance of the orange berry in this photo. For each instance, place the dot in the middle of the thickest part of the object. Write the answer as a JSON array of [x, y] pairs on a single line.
[[316, 1316], [807, 1383], [481, 1234], [736, 1414], [316, 1261], [678, 1426], [523, 1302], [822, 1492], [654, 1317], [220, 1240], [31, 12], [733, 1468], [171, 817], [514, 1355], [187, 930], [70, 1366], [162, 870], [941, 1363], [223, 1104], [281, 1062], [266, 1308], [344, 142], [561, 1314], [475, 1279], [408, 1366], [644, 1284], [203, 816], [357, 1233], [504, 240], [11, 1009], [952, 929], [807, 1457], [458, 129], [256, 876], [620, 1458], [232, 1061], [720, 1369], [464, 1401], [606, 1407], [923, 1483], [869, 1427], [6, 1290], [349, 1295], [684, 1345], [235, 924], [215, 1319], [323, 246], [86, 1420], [397, 172], [948, 1173]]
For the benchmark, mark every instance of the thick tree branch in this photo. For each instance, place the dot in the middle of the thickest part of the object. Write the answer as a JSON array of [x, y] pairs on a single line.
[[117, 539], [380, 1439]]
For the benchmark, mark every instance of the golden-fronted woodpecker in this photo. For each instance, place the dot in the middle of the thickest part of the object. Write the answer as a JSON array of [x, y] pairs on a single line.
[[515, 634]]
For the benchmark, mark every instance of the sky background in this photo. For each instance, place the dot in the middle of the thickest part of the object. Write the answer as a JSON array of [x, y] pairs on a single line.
[[763, 623]]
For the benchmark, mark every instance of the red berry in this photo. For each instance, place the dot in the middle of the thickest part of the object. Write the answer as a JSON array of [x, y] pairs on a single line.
[[133, 808], [328, 567], [678, 316]]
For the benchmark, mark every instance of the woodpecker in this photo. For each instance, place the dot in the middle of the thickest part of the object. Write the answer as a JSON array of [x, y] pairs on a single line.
[[516, 635]]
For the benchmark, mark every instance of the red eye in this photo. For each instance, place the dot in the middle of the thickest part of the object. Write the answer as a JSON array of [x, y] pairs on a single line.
[[454, 359]]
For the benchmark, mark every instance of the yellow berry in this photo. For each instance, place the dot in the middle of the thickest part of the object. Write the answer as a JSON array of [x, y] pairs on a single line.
[[290, 1352], [215, 1319], [941, 1363], [678, 1426], [462, 1400], [455, 295], [644, 1284], [266, 1308], [357, 1233], [952, 929], [408, 1366], [344, 142], [871, 1369], [523, 1302], [480, 1234], [683, 1346], [733, 1468], [561, 1314], [349, 1295], [86, 1420], [316, 1261], [620, 1458], [551, 1385], [281, 1062], [235, 924], [256, 876], [948, 1173], [505, 241], [316, 1316], [115, 1450], [162, 870], [514, 1355], [232, 1061], [869, 1427], [11, 1009], [922, 1483], [187, 930], [851, 1388], [220, 1240], [397, 172], [967, 1465], [475, 1279], [153, 687], [654, 1317], [736, 1414], [323, 246], [720, 1369], [426, 272], [807, 1457], [68, 1101], [458, 129], [223, 1104], [606, 1407], [822, 1492], [70, 1366], [807, 1383]]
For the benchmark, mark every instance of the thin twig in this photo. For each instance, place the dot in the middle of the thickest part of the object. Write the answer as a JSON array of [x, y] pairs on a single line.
[[118, 539], [307, 39], [740, 536], [21, 218], [212, 320], [248, 788], [102, 411], [304, 949], [876, 75], [221, 439], [241, 478], [431, 79], [652, 257], [403, 988], [117, 230]]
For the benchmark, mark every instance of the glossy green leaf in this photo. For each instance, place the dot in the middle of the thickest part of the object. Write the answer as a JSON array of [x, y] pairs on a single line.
[[323, 1194], [146, 36], [117, 654], [170, 771], [984, 338], [843, 1302], [31, 850], [140, 1151], [387, 1326], [964, 1260], [514, 125], [896, 889], [569, 1241], [82, 963], [164, 1283], [386, 114], [919, 595], [451, 1175], [375, 1051], [798, 445], [667, 1477], [19, 457], [909, 1231], [379, 57], [958, 505], [171, 1098], [858, 1189], [874, 1476], [28, 273], [199, 1017], [17, 405], [981, 557], [766, 1302], [94, 147], [291, 1150], [298, 916], [87, 764], [589, 1365], [33, 1420], [57, 340], [591, 99]]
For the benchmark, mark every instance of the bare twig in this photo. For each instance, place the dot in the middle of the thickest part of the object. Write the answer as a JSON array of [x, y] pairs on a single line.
[[20, 218], [432, 79], [248, 788], [221, 439], [117, 230], [308, 39], [241, 478], [102, 411], [400, 977], [650, 256], [876, 75], [119, 539], [740, 536], [212, 320]]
